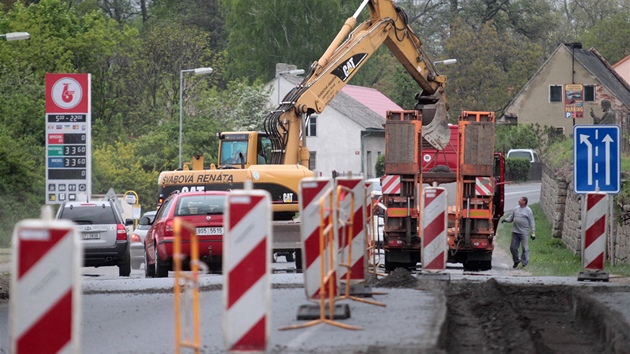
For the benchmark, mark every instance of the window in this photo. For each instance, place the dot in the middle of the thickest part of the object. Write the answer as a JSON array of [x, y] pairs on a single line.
[[589, 93], [232, 152], [312, 160], [555, 93], [311, 126]]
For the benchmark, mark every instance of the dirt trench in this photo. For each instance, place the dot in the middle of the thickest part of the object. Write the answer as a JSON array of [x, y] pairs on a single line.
[[492, 317]]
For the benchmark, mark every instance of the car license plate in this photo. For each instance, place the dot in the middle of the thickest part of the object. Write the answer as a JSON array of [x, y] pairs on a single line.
[[209, 231], [90, 236]]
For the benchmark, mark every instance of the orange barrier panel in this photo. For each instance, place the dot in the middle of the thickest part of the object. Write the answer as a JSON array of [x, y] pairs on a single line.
[[345, 192], [191, 281], [328, 276]]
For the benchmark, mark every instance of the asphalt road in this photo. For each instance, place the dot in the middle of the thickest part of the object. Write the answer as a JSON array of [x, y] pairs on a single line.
[[136, 314]]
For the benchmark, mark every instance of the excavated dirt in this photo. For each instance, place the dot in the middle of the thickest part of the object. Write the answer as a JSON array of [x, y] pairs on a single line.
[[490, 317]]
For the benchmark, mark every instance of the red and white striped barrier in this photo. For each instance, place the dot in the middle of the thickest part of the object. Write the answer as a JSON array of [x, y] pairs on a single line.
[[594, 234], [45, 299], [311, 191], [483, 186], [391, 184], [434, 223], [246, 263], [358, 261]]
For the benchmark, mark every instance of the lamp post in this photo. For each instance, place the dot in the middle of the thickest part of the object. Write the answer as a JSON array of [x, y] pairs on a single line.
[[290, 72], [445, 61], [197, 71], [15, 36]]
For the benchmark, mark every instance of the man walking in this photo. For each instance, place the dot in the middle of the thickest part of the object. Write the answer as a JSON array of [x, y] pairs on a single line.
[[523, 219]]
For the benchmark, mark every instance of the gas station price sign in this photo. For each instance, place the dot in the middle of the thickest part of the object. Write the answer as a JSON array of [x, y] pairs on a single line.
[[68, 138]]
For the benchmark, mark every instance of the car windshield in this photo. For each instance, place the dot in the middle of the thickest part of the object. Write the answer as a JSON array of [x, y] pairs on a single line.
[[89, 215], [200, 205], [521, 155]]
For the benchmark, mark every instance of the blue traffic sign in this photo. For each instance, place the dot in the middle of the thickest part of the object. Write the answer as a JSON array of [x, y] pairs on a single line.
[[596, 159]]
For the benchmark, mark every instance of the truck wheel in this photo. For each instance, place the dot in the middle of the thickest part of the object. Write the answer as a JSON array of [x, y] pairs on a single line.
[[161, 268], [390, 266], [124, 266], [485, 265], [298, 260], [471, 266]]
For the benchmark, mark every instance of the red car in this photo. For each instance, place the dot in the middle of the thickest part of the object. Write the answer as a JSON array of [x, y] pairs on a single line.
[[204, 210]]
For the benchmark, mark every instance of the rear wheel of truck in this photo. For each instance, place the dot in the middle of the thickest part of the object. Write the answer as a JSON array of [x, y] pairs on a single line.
[[298, 261]]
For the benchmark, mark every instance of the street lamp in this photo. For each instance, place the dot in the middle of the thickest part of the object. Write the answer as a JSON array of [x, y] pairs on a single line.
[[197, 71], [445, 61], [289, 72], [15, 36]]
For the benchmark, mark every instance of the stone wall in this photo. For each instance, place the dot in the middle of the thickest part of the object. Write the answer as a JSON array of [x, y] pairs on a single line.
[[563, 208], [552, 200], [622, 244]]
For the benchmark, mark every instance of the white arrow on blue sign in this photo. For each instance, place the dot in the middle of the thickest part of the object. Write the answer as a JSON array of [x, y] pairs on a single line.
[[596, 159]]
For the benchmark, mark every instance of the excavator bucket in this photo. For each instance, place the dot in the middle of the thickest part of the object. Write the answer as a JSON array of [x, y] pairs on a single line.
[[436, 132]]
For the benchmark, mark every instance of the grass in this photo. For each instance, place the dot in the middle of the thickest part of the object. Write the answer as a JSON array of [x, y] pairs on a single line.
[[548, 256]]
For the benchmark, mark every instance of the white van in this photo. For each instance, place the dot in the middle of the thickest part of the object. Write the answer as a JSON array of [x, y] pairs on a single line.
[[529, 154]]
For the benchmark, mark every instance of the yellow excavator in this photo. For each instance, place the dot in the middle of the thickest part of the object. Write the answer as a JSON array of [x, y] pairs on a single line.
[[277, 158]]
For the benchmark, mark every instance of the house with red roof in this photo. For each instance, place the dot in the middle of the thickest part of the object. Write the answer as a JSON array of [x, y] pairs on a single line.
[[348, 136], [622, 67]]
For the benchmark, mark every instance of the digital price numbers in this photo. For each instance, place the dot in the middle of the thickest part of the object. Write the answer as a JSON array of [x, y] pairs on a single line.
[[68, 156]]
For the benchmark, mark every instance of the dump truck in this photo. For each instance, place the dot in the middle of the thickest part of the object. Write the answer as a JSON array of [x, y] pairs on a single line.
[[467, 167]]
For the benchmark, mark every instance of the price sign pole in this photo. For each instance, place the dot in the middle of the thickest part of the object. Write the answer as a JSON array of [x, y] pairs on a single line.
[[132, 199], [68, 138]]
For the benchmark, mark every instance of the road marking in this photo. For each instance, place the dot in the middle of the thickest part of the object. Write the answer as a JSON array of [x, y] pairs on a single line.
[[521, 192]]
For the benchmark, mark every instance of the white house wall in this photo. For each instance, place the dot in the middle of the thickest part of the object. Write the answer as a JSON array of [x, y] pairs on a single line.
[[533, 106], [338, 141], [337, 144]]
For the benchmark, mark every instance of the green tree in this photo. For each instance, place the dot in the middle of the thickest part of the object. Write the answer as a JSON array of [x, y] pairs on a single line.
[[611, 37], [491, 67], [117, 166], [21, 180], [265, 32]]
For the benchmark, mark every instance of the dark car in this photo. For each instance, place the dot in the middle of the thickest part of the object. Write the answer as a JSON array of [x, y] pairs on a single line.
[[103, 233], [203, 210]]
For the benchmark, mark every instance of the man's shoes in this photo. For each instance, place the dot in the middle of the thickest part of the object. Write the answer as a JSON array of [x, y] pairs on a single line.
[[516, 264], [524, 265]]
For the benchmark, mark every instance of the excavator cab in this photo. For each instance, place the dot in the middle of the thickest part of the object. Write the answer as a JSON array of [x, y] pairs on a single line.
[[243, 149]]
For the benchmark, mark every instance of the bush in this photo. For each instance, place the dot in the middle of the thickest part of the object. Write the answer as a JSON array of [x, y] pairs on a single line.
[[380, 166], [517, 170]]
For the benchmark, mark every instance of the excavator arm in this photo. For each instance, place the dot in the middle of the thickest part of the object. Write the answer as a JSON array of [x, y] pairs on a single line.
[[350, 49]]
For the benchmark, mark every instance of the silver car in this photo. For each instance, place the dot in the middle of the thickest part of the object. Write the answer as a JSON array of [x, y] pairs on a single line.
[[103, 233], [137, 239]]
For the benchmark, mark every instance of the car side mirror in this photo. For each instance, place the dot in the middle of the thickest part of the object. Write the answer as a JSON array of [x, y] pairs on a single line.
[[128, 222], [144, 221]]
